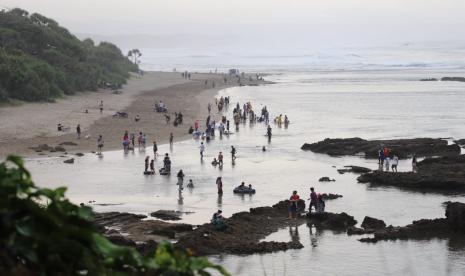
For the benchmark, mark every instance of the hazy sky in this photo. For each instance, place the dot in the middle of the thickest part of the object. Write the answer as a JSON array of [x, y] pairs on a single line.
[[322, 22]]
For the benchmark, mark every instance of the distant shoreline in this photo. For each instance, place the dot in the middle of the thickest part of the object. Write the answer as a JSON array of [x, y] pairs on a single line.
[[32, 124]]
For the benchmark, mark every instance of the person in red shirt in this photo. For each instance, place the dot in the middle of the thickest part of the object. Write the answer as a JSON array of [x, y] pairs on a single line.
[[293, 205]]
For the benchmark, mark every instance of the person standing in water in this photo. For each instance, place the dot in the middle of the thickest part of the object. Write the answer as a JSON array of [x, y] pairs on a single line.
[[387, 163], [209, 107], [180, 179], [202, 149], [219, 185], [395, 162], [78, 131], [414, 163], [313, 199], [268, 133], [220, 159], [147, 161], [155, 149], [293, 200], [100, 144], [233, 153], [152, 166], [101, 106], [171, 138]]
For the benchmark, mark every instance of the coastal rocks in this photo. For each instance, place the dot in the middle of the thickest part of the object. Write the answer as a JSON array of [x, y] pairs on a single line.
[[352, 230], [79, 154], [69, 161], [460, 142], [45, 147], [444, 174], [330, 196], [455, 215], [460, 79], [326, 179], [370, 223], [429, 79], [67, 143], [166, 215], [244, 232], [136, 229], [60, 148], [331, 221], [451, 226], [403, 148], [353, 169]]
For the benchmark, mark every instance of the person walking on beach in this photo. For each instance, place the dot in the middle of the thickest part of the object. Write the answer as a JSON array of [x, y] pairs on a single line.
[[171, 138], [219, 185], [395, 161], [78, 131], [209, 108], [202, 149], [220, 159], [133, 138], [99, 144], [233, 153], [293, 200], [313, 199], [101, 106]]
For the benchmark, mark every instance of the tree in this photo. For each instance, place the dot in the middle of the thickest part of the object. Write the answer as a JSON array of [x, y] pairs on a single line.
[[135, 54]]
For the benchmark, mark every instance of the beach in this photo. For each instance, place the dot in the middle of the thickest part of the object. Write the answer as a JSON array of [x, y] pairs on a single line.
[[32, 124]]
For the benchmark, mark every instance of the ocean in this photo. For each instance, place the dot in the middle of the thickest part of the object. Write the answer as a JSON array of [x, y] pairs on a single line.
[[372, 94]]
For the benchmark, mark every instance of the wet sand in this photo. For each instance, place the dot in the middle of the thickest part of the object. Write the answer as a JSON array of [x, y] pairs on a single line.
[[33, 124]]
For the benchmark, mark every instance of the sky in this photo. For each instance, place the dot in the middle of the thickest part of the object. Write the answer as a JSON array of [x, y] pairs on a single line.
[[292, 22]]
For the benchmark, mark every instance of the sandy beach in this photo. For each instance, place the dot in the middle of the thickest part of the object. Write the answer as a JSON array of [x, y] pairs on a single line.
[[32, 124]]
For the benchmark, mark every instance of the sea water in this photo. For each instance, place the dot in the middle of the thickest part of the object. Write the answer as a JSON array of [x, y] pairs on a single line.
[[380, 103]]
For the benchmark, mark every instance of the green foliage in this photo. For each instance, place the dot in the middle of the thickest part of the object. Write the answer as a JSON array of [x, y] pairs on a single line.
[[40, 60], [43, 233]]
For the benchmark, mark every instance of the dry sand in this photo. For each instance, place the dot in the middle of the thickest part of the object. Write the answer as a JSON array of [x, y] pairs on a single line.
[[32, 124]]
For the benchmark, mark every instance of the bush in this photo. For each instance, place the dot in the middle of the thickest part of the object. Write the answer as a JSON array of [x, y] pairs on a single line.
[[43, 233]]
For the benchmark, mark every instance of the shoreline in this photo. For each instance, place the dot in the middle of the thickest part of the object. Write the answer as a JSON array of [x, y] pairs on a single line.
[[189, 96]]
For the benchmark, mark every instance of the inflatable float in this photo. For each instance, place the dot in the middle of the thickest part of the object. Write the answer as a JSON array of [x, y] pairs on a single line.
[[245, 190]]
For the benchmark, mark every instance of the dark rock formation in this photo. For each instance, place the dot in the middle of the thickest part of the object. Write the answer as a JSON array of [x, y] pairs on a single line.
[[353, 169], [138, 230], [330, 196], [429, 79], [370, 223], [448, 227], [79, 154], [461, 79], [167, 215], [326, 179], [455, 215], [68, 144], [403, 148], [460, 142], [69, 161], [331, 221], [60, 148], [352, 230], [244, 232], [444, 174]]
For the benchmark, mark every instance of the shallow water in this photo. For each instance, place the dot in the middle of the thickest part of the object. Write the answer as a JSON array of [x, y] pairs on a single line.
[[368, 104]]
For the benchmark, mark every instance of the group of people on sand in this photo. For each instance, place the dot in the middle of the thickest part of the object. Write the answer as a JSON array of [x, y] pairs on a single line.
[[316, 201], [387, 160]]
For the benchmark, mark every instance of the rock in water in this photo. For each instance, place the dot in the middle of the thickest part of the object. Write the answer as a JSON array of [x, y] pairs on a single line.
[[455, 215], [326, 179], [403, 148], [69, 161], [370, 223], [166, 215]]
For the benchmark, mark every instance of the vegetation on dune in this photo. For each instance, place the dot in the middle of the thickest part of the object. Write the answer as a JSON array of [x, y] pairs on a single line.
[[42, 233], [40, 60]]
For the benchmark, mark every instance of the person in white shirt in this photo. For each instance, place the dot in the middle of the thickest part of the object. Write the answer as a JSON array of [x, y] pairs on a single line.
[[202, 149], [386, 163], [395, 161]]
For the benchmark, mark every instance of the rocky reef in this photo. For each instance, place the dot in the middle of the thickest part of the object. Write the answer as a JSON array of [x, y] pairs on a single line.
[[442, 174], [452, 225], [403, 148]]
